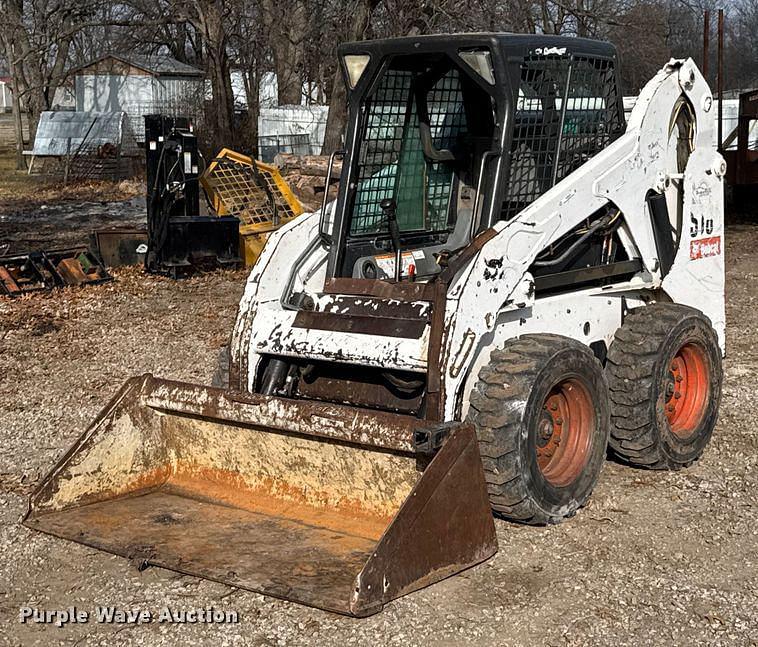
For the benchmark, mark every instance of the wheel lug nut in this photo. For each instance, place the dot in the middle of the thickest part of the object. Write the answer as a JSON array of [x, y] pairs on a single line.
[[679, 378], [553, 406], [677, 395], [671, 407], [559, 421]]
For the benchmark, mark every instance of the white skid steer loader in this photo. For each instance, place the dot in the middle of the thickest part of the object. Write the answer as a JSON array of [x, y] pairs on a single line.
[[511, 279]]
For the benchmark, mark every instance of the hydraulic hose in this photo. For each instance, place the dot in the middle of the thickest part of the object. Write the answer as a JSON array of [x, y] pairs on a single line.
[[605, 220]]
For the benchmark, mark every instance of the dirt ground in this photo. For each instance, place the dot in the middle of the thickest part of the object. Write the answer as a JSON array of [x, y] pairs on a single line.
[[57, 225], [20, 192], [655, 558]]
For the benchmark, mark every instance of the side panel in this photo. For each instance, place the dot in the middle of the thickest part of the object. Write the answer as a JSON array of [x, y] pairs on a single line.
[[267, 283], [697, 276], [623, 173], [588, 316]]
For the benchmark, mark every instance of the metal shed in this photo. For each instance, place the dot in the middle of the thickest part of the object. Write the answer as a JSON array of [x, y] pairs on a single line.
[[139, 85]]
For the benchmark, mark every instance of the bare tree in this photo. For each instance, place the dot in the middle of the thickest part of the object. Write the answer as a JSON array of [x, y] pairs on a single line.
[[286, 23], [159, 26], [742, 51], [361, 12], [36, 36], [209, 17], [641, 40], [248, 40], [43, 40], [193, 31]]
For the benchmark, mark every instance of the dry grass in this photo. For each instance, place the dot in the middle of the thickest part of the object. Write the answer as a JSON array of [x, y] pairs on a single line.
[[18, 190]]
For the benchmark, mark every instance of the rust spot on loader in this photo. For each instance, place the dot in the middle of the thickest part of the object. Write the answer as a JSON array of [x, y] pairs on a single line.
[[277, 499]]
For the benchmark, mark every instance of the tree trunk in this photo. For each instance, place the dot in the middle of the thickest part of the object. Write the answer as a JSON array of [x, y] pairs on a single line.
[[16, 103], [288, 62], [252, 93], [337, 116], [287, 23], [33, 80], [335, 121], [18, 126], [210, 23], [35, 105], [222, 107]]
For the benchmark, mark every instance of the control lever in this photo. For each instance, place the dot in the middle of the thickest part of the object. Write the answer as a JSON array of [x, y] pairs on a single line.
[[389, 207]]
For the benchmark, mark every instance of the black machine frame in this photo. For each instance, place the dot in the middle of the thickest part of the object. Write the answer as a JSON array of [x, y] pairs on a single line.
[[180, 239]]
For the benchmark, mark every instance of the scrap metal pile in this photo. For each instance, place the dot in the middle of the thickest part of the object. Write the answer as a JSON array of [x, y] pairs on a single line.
[[247, 200], [42, 271]]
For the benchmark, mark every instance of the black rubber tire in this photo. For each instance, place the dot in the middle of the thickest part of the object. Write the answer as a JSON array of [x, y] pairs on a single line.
[[506, 406], [638, 369], [220, 377]]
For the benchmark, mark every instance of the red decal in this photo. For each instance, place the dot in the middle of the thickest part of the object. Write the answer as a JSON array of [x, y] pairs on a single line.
[[703, 247]]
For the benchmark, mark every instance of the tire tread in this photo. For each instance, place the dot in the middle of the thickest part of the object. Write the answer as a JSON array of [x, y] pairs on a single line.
[[508, 379], [630, 368]]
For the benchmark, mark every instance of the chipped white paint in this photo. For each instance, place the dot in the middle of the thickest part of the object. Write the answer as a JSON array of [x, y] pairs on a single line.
[[550, 51], [623, 173]]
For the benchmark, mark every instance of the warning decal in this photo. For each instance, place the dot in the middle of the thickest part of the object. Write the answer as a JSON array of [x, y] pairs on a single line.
[[704, 247]]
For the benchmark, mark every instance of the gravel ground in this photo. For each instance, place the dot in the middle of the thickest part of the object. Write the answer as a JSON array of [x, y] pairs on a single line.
[[655, 558]]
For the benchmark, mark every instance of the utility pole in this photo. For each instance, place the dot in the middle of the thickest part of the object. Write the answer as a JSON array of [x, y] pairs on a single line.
[[721, 79], [706, 41]]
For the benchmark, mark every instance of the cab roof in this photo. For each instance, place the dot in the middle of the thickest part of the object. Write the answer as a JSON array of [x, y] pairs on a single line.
[[508, 44]]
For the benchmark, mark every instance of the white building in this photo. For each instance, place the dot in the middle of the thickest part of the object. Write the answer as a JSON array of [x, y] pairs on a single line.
[[293, 129], [6, 100], [139, 85]]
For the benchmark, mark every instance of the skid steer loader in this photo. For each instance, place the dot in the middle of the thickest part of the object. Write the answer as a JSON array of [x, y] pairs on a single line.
[[511, 279]]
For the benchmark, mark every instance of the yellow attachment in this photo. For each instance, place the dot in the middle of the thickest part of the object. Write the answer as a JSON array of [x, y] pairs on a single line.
[[233, 188]]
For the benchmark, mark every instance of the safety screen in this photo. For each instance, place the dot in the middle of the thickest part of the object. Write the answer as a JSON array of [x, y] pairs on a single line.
[[448, 120], [248, 194], [391, 162], [567, 110]]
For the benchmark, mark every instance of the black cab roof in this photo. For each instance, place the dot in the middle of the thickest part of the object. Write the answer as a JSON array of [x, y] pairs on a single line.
[[509, 44]]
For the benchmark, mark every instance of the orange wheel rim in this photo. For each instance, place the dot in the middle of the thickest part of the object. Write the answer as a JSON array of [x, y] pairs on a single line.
[[564, 432], [687, 389]]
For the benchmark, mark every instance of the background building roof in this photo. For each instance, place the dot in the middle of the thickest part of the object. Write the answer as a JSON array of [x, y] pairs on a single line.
[[157, 64]]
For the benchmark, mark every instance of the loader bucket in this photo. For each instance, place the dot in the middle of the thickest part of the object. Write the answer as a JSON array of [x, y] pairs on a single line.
[[326, 505]]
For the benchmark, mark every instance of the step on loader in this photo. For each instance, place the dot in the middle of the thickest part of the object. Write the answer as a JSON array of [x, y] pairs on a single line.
[[513, 278]]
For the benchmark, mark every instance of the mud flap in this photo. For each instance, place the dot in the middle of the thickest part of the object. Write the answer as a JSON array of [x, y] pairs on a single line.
[[325, 505]]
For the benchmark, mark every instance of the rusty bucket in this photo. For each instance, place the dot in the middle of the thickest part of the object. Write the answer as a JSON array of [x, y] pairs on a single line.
[[330, 506]]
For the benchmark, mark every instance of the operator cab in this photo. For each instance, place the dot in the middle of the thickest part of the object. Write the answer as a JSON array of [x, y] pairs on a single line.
[[426, 123], [447, 135]]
